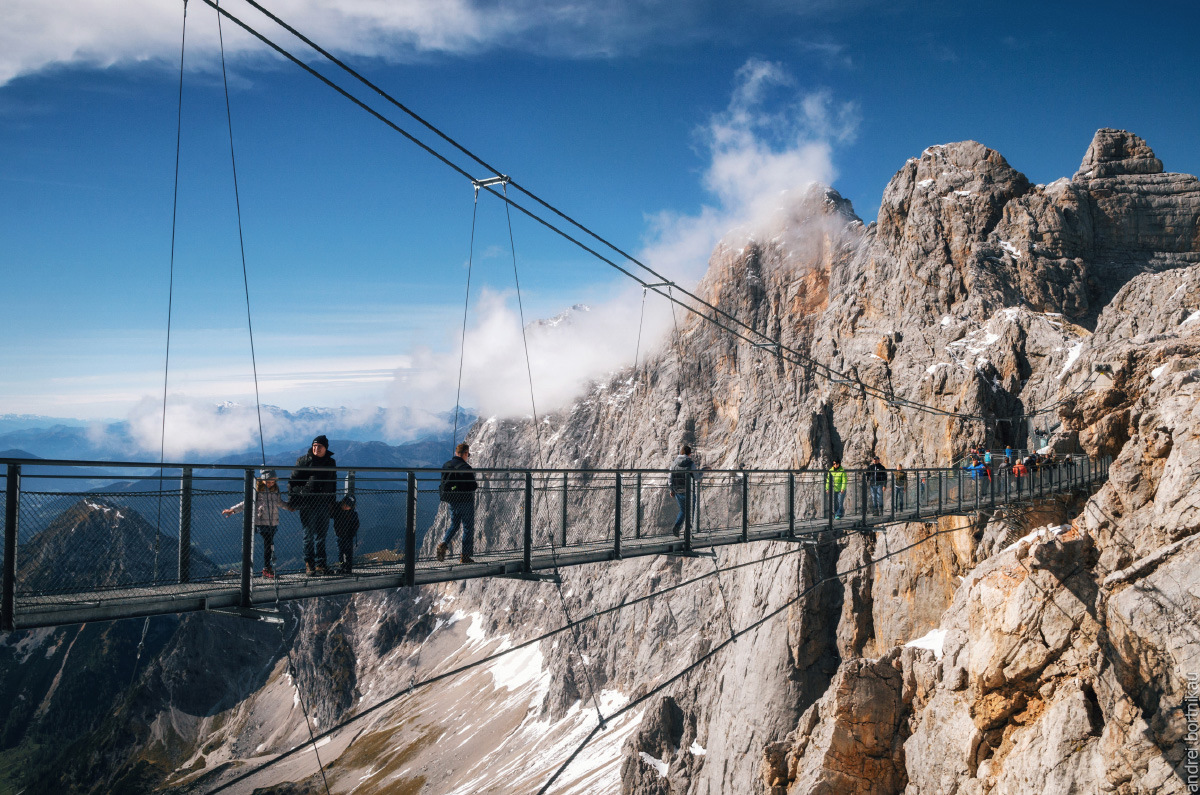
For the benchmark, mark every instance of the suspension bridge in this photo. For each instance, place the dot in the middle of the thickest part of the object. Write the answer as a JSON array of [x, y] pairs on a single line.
[[88, 541]]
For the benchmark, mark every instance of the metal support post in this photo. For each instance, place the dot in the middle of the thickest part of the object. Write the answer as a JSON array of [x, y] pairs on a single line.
[[617, 520], [892, 477], [863, 491], [563, 518], [410, 532], [958, 476], [830, 501], [247, 533], [12, 497], [687, 514], [527, 562], [637, 509], [940, 473], [745, 507], [791, 504], [185, 524]]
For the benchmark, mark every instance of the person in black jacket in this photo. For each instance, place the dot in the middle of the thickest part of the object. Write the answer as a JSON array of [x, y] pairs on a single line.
[[458, 491], [312, 488], [877, 478]]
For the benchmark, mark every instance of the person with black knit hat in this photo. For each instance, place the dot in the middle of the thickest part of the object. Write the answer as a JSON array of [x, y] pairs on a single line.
[[312, 490]]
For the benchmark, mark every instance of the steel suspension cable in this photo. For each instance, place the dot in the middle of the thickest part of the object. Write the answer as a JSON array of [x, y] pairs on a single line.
[[414, 685], [759, 338], [714, 651], [819, 539], [162, 437]]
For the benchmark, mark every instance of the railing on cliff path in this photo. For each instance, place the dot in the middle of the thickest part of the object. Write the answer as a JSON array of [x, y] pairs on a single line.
[[87, 541]]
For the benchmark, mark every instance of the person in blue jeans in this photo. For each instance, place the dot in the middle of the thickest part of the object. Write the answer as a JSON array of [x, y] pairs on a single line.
[[457, 490], [877, 478], [899, 486], [835, 483], [680, 472], [312, 489]]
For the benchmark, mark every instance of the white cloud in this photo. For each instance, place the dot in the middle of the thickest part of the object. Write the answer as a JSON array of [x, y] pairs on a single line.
[[769, 145], [585, 344], [766, 150], [198, 426], [100, 33], [40, 33]]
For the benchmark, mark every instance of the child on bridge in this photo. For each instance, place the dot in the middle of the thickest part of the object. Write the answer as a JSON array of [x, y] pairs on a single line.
[[267, 502]]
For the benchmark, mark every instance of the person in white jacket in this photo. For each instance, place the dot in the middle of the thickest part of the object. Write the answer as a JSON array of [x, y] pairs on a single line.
[[267, 502]]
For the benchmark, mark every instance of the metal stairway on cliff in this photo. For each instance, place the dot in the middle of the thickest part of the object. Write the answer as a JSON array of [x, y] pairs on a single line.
[[79, 544]]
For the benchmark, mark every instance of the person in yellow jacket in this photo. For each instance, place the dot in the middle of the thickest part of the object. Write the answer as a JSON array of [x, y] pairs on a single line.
[[835, 481]]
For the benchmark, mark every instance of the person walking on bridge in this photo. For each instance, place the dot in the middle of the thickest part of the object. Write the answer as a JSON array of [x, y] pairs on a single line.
[[835, 483], [457, 490], [312, 489], [877, 478], [681, 468]]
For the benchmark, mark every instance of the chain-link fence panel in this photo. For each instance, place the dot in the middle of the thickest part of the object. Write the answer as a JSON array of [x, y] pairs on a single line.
[[76, 542], [767, 499], [86, 537]]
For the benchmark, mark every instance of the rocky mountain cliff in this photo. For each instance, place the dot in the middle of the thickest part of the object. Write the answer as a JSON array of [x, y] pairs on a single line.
[[1054, 650]]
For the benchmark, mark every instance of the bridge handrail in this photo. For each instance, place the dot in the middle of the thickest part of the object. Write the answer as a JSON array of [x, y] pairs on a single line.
[[175, 552], [253, 468]]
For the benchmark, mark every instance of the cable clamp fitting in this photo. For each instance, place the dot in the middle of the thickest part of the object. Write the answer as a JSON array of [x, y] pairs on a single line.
[[502, 179]]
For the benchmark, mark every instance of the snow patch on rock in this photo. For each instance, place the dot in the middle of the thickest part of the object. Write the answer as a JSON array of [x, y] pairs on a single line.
[[932, 640]]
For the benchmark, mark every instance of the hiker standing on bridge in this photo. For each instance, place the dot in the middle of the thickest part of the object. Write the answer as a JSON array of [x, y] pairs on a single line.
[[899, 486], [457, 490], [835, 482], [680, 467], [312, 489], [877, 478], [267, 502]]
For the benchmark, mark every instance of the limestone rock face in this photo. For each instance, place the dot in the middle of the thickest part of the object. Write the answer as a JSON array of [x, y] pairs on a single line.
[[976, 292]]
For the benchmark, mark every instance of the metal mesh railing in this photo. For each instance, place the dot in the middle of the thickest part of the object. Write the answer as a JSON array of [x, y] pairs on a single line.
[[82, 533]]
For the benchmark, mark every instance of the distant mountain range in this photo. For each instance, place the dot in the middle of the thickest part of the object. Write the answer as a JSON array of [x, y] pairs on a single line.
[[379, 437]]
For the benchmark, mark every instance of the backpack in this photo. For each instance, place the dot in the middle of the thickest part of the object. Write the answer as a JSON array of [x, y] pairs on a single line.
[[679, 472]]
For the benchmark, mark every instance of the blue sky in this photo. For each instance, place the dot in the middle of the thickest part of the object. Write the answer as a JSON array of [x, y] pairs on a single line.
[[660, 124]]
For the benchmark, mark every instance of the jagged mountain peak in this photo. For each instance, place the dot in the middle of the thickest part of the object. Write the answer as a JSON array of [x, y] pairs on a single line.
[[1115, 153], [99, 543]]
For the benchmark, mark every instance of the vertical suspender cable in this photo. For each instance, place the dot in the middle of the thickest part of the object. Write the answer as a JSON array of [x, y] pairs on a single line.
[[537, 433], [641, 320], [162, 438], [254, 366], [462, 353], [241, 244]]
